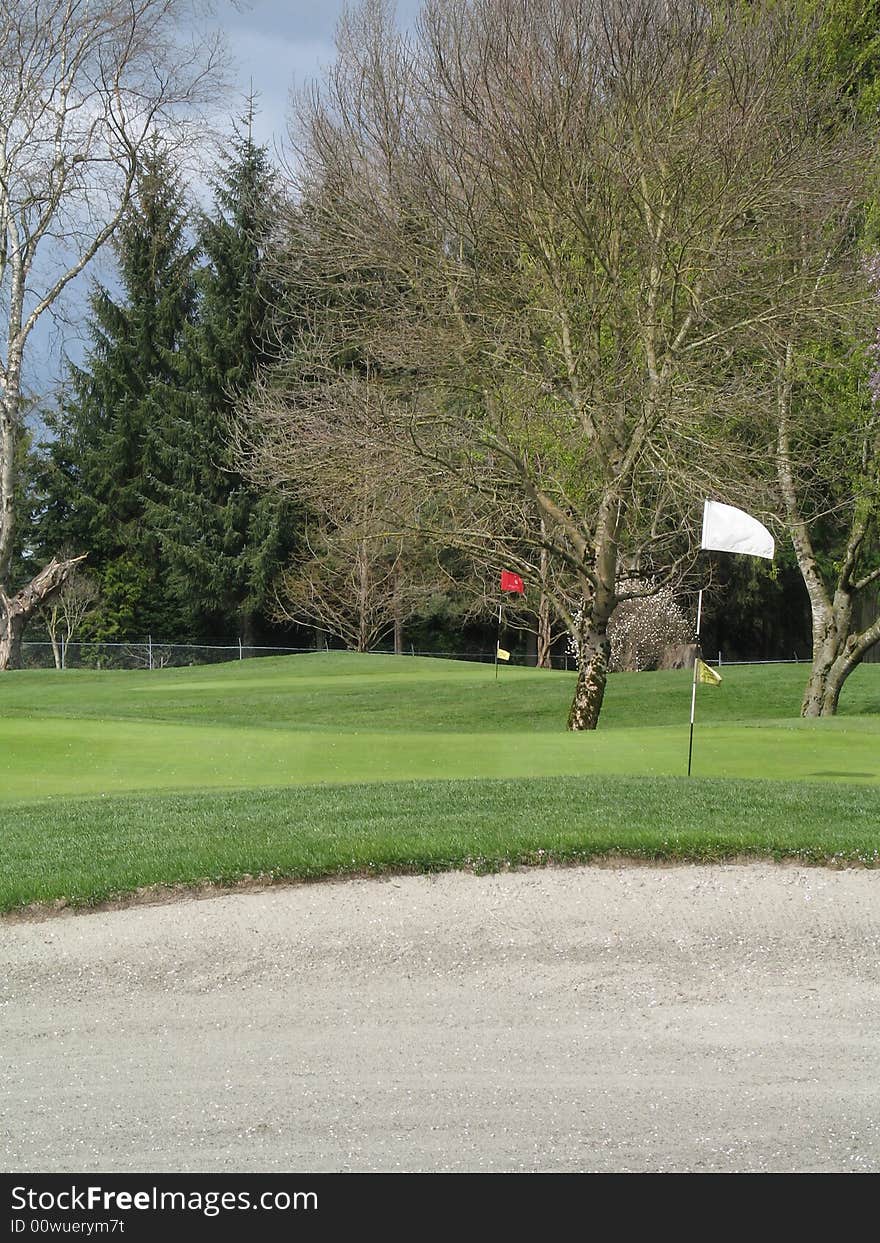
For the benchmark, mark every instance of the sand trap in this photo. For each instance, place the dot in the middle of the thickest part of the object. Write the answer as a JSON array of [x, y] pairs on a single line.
[[626, 1018]]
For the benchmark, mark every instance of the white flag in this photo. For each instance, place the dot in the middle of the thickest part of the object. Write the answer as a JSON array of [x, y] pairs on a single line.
[[726, 529]]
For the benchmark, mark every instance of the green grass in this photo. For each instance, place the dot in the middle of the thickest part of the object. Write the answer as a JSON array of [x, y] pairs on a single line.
[[317, 765], [91, 850], [412, 694]]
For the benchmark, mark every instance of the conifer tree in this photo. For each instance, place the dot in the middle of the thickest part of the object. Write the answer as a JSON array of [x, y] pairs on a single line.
[[223, 539], [118, 397]]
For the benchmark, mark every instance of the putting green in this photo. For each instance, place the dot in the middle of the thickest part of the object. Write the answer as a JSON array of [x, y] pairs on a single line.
[[48, 757], [342, 718]]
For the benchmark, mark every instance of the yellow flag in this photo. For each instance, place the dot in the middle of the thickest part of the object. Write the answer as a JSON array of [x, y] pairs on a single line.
[[502, 654], [707, 674]]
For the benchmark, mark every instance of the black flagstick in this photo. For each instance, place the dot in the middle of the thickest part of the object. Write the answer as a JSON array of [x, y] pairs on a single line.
[[696, 670], [498, 643]]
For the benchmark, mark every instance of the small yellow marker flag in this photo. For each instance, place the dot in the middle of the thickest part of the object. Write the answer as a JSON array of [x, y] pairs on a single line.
[[705, 673], [502, 654]]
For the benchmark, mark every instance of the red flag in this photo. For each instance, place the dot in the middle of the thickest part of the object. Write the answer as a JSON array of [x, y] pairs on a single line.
[[512, 582]]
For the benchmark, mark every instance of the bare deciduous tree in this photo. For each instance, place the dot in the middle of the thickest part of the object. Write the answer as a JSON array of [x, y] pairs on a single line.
[[83, 84], [535, 236], [68, 609], [365, 569], [356, 584]]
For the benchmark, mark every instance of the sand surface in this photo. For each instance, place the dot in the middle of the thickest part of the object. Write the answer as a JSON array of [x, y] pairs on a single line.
[[613, 1018]]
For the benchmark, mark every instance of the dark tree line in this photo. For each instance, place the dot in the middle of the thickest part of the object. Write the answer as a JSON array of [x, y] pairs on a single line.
[[83, 87], [139, 471]]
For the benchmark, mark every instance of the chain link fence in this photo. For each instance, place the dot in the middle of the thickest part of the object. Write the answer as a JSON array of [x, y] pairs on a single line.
[[146, 654], [151, 654]]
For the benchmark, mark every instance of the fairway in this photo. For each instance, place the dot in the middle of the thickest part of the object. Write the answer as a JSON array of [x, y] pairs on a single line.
[[110, 781]]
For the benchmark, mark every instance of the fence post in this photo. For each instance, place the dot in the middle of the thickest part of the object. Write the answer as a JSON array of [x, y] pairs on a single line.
[[240, 656], [149, 651]]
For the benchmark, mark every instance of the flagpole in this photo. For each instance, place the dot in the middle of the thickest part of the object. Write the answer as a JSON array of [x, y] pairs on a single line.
[[498, 642], [694, 686]]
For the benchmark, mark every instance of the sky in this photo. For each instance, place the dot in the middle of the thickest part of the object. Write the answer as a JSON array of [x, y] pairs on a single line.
[[279, 44], [274, 45]]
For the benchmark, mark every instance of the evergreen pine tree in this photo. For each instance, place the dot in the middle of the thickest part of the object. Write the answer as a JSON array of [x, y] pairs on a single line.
[[117, 398], [223, 540]]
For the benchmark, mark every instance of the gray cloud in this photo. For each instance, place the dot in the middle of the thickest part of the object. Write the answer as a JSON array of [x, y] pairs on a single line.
[[280, 44]]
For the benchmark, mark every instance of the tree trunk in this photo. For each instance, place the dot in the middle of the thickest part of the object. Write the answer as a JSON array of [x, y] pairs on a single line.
[[837, 675], [363, 596], [543, 635], [822, 695], [594, 649], [398, 612], [837, 650], [594, 646], [247, 629], [826, 653], [832, 645], [542, 660], [11, 631], [16, 611], [543, 632], [835, 654], [52, 627]]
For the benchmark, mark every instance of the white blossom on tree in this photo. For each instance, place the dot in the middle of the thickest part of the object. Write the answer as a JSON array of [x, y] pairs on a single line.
[[642, 629]]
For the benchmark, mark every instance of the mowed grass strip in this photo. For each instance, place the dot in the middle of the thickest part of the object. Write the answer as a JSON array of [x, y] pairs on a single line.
[[48, 758], [84, 852]]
